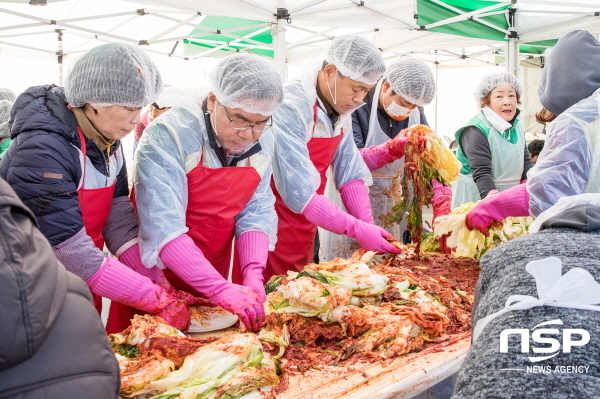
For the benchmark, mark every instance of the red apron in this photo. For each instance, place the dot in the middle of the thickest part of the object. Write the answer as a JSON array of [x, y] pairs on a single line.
[[296, 235], [95, 204], [215, 197]]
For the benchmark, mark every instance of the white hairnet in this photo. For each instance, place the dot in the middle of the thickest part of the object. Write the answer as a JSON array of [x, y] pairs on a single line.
[[493, 80], [356, 58], [5, 107], [113, 74], [412, 79], [161, 185], [8, 94], [247, 82], [176, 97]]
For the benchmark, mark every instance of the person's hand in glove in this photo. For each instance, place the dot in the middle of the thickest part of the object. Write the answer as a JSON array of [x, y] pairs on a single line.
[[176, 314], [242, 301], [377, 156], [189, 299], [512, 202], [322, 212], [119, 283], [442, 205], [253, 250], [186, 260]]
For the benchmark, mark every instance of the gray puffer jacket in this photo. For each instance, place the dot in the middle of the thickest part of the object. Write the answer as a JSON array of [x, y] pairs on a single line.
[[52, 343], [574, 237]]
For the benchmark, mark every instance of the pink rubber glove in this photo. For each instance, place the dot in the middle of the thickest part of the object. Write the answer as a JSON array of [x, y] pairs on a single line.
[[523, 181], [441, 200], [131, 257], [186, 260], [380, 155], [325, 214], [442, 205], [119, 283], [253, 249], [492, 192], [512, 202], [355, 197]]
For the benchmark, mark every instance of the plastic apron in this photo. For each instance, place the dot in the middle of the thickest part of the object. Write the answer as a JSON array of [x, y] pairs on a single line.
[[592, 134], [385, 192], [215, 197], [95, 204], [295, 234], [507, 166]]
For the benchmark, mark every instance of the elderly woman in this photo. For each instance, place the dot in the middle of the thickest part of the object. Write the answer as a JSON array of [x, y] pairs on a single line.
[[66, 164], [492, 148], [570, 162], [202, 182]]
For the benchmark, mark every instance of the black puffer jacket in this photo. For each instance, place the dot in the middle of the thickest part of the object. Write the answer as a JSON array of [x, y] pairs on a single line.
[[52, 341], [42, 164]]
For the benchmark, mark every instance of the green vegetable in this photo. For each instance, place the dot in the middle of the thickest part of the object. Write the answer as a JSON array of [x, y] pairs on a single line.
[[127, 350], [430, 243], [316, 275], [283, 304], [273, 283]]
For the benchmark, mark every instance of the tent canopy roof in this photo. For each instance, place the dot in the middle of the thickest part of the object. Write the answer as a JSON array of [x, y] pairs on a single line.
[[436, 30]]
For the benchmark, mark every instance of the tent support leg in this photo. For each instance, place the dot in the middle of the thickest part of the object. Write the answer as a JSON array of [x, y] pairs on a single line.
[[59, 57], [512, 58], [279, 40]]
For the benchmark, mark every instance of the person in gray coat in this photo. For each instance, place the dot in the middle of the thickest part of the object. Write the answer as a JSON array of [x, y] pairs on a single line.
[[561, 362], [52, 341]]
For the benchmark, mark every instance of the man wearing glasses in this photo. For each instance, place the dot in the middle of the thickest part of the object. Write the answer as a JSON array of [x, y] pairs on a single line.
[[313, 130], [203, 178]]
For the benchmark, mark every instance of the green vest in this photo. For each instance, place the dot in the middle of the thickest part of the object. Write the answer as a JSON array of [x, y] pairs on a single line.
[[479, 121], [4, 144]]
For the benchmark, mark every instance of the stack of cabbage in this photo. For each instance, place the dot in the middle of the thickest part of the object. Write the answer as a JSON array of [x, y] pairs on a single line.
[[226, 368], [472, 243], [349, 294]]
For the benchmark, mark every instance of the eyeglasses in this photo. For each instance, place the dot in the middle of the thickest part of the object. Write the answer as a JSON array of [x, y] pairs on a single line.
[[243, 125]]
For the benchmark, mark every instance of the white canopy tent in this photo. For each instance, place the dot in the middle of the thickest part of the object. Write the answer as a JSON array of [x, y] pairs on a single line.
[[295, 29], [298, 27]]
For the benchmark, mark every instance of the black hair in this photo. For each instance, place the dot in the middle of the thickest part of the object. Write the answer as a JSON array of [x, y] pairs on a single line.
[[535, 147]]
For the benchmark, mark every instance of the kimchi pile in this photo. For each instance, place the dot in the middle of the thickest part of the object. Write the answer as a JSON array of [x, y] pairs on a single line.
[[367, 308]]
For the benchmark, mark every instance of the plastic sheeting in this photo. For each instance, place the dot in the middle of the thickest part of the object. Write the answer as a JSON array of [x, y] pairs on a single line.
[[172, 146], [569, 164], [295, 176]]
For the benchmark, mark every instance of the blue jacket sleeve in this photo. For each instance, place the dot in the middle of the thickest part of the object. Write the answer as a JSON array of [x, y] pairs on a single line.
[[44, 171]]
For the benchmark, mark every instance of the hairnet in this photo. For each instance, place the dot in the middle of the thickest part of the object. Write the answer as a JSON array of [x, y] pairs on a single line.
[[493, 80], [356, 58], [247, 82], [177, 96], [8, 94], [412, 79], [5, 107], [113, 74]]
